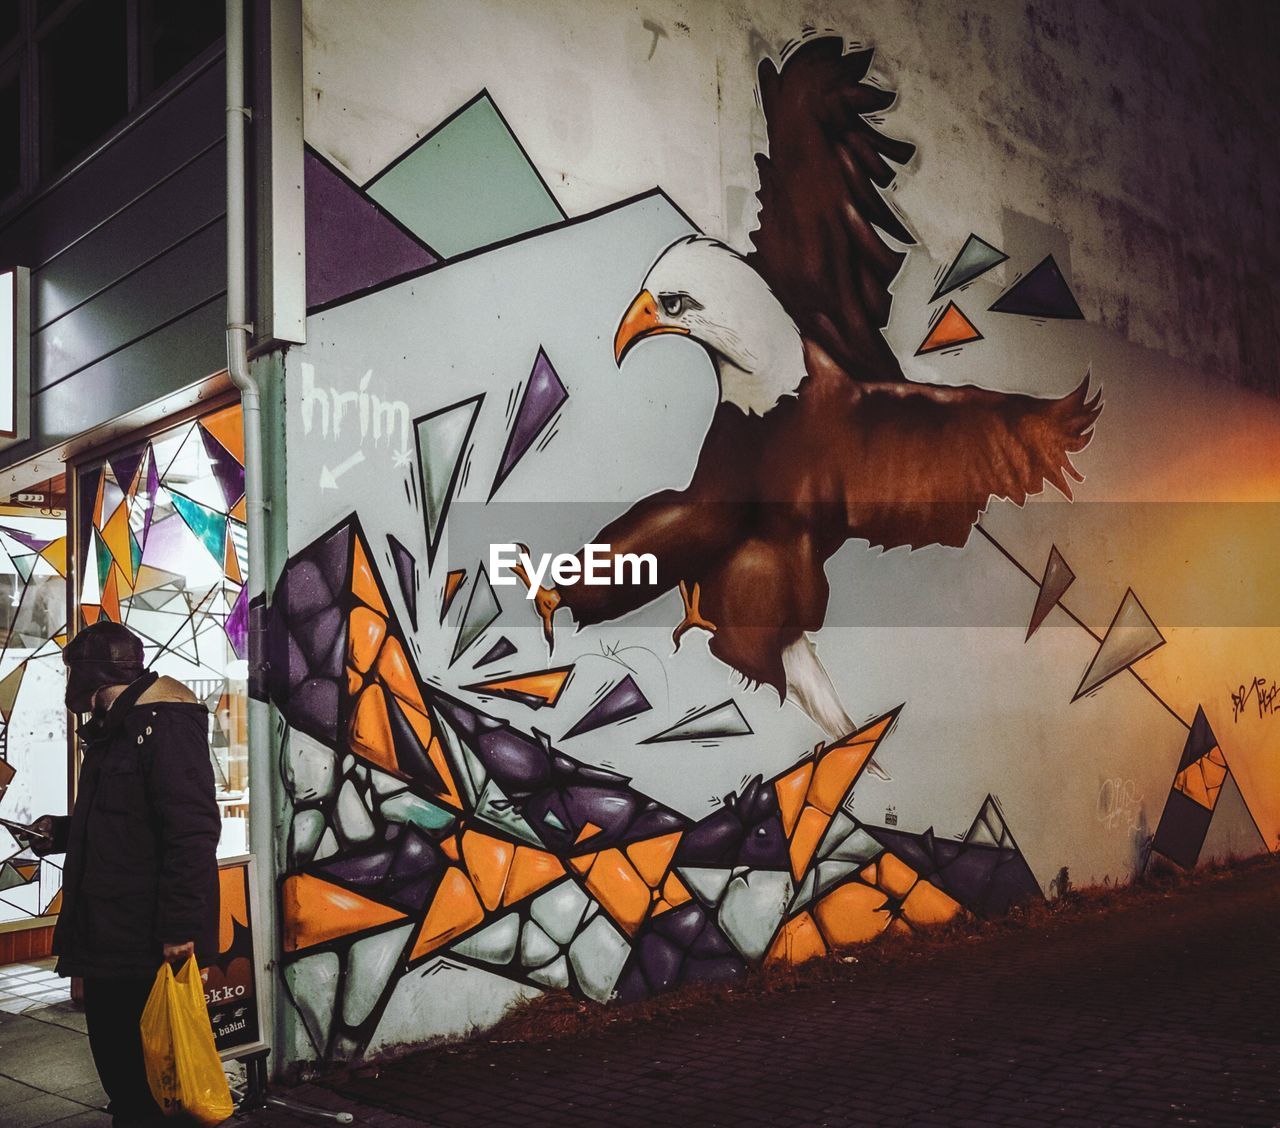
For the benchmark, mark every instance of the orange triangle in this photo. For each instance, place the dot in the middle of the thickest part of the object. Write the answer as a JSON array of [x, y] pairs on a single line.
[[111, 595], [227, 426], [674, 892], [488, 861], [532, 870], [367, 631], [241, 510], [589, 830], [619, 888], [952, 328], [98, 499], [54, 907], [652, 856], [810, 828], [449, 847], [370, 730], [363, 585], [116, 538], [545, 685], [231, 563], [452, 582], [582, 863], [56, 555], [454, 910], [91, 612], [397, 675], [799, 940], [791, 790], [834, 774], [317, 911]]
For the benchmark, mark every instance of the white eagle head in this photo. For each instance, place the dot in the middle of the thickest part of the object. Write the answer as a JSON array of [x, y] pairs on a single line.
[[702, 289]]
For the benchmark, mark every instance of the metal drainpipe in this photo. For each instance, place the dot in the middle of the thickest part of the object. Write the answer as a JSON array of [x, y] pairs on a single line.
[[262, 807]]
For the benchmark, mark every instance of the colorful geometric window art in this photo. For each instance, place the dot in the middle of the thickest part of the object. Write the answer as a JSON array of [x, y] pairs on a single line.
[[163, 549], [33, 721]]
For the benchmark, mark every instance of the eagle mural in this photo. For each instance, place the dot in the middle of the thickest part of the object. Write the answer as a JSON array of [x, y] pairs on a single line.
[[818, 437]]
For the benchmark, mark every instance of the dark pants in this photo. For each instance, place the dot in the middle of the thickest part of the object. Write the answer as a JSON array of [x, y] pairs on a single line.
[[113, 1012]]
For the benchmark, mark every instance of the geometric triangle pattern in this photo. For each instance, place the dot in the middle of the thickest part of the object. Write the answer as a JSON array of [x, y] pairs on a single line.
[[466, 184], [1058, 576], [454, 833], [544, 395], [536, 690], [1197, 785], [442, 441], [624, 699], [351, 243], [976, 257], [1042, 293], [1131, 636], [481, 611], [712, 723], [950, 330]]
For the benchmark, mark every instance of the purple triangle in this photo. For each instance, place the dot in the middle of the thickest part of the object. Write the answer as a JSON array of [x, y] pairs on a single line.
[[406, 565], [351, 243], [624, 700], [125, 466], [503, 648], [237, 626], [544, 395], [226, 468], [36, 544], [1042, 293]]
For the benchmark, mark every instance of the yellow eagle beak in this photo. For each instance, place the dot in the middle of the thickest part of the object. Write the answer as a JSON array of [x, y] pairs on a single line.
[[640, 321]]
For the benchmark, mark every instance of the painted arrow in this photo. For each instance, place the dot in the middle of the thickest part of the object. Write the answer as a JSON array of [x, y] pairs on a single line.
[[329, 478]]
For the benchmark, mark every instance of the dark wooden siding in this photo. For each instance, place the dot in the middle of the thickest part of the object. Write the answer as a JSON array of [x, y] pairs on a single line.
[[128, 265]]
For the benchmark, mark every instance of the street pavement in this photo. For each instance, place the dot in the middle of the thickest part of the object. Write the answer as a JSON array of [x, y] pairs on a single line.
[[1154, 1006]]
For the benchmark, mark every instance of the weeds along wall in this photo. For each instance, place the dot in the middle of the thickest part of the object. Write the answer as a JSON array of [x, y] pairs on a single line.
[[958, 490]]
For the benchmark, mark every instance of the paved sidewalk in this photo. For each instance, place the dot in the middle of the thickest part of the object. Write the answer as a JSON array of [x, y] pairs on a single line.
[[1162, 1010], [46, 1073]]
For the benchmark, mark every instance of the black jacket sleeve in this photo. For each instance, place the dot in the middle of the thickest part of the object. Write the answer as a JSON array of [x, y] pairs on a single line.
[[61, 833], [181, 789]]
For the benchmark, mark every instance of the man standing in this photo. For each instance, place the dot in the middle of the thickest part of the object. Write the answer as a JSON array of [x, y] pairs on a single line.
[[140, 883]]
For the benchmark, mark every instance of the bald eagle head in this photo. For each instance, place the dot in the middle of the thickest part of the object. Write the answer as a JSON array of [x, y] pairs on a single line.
[[702, 289]]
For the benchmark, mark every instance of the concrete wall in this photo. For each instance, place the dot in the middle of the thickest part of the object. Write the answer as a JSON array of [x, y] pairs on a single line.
[[1132, 128], [472, 817]]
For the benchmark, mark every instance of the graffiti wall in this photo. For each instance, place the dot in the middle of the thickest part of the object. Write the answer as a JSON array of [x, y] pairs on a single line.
[[920, 586]]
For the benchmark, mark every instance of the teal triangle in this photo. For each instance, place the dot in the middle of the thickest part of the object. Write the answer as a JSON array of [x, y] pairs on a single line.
[[442, 441], [135, 556], [103, 555], [24, 564], [209, 526], [977, 256]]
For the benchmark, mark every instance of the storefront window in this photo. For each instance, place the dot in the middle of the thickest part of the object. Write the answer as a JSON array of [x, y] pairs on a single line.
[[162, 549], [33, 720]]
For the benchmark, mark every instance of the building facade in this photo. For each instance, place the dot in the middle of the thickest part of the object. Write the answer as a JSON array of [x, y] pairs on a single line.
[[923, 350]]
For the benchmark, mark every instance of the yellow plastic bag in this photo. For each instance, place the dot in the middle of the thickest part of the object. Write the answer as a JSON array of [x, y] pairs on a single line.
[[183, 1067]]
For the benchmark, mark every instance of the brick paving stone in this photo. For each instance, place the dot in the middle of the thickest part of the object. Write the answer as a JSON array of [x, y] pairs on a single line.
[[1163, 1010]]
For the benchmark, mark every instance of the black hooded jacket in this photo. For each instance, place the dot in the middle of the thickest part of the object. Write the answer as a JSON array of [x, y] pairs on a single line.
[[141, 866]]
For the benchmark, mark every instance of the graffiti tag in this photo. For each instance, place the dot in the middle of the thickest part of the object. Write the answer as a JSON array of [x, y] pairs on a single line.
[[1119, 804], [1266, 697], [383, 420]]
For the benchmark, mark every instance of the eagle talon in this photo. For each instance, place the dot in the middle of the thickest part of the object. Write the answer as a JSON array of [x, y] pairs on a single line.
[[692, 614], [545, 601]]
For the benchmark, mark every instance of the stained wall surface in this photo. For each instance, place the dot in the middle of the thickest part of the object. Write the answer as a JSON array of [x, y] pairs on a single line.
[[982, 301]]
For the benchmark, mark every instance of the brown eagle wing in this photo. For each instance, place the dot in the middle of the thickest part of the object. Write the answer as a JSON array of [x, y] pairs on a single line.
[[926, 460], [820, 204]]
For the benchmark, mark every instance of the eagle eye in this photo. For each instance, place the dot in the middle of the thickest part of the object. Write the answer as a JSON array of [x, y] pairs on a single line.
[[672, 304]]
